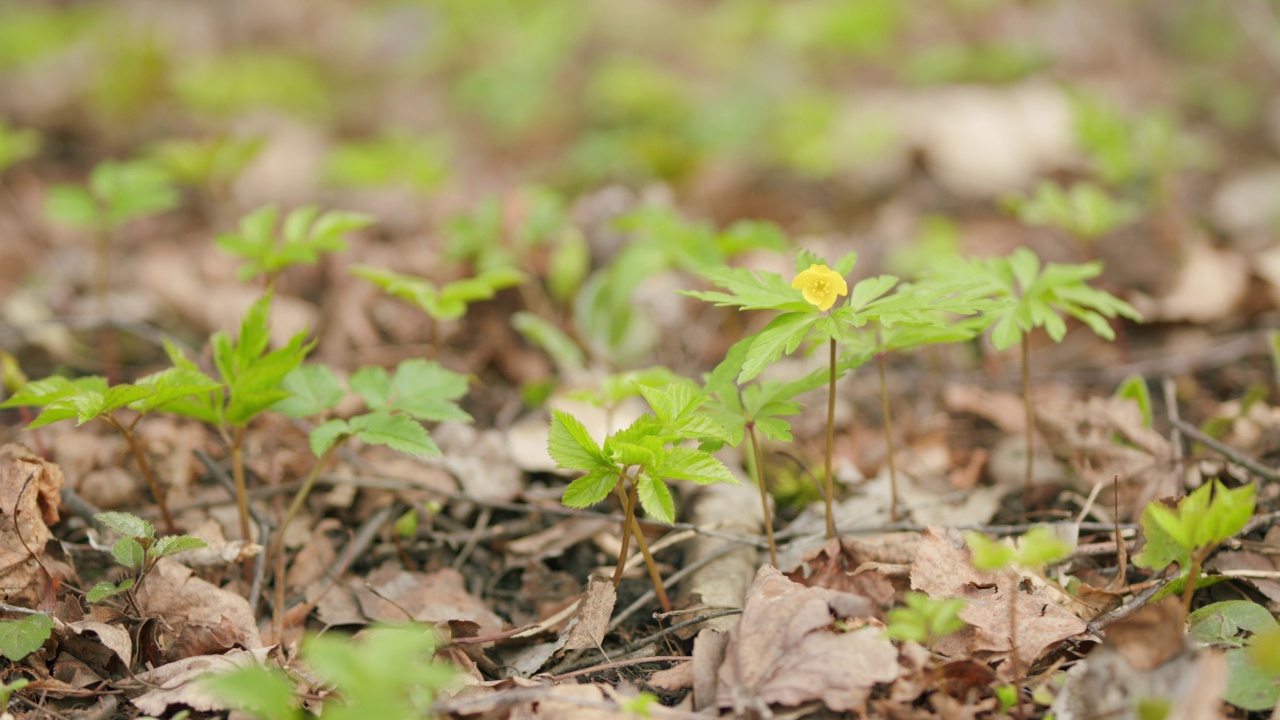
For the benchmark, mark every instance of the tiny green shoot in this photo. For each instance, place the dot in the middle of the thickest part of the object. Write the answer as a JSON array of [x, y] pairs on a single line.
[[138, 550], [305, 235]]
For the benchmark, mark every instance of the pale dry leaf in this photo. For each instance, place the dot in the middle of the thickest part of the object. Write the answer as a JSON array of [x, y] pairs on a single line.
[[723, 582], [588, 627], [675, 678], [113, 637], [30, 490], [943, 570], [784, 652], [1104, 685], [1209, 286], [1150, 637], [554, 540], [177, 683], [708, 655], [390, 593], [174, 593], [480, 461], [316, 557]]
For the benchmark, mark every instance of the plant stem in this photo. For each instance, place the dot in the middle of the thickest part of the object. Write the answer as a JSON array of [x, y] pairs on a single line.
[[758, 455], [1030, 420], [888, 439], [237, 474], [102, 297], [626, 529], [1193, 574], [654, 576], [1014, 665], [144, 467], [277, 543], [831, 439]]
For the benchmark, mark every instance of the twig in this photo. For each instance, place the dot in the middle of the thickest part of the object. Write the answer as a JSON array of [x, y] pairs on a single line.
[[620, 664], [482, 521], [671, 581], [264, 527], [1135, 604], [651, 639], [1226, 451], [546, 693]]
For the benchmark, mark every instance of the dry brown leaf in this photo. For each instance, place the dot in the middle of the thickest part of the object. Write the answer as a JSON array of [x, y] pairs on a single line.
[[177, 683], [841, 565], [390, 593], [554, 540], [316, 557], [708, 655], [722, 582], [113, 637], [480, 461], [30, 490], [675, 678], [1150, 637], [784, 652], [174, 593], [588, 627], [1104, 685], [943, 570], [1003, 409]]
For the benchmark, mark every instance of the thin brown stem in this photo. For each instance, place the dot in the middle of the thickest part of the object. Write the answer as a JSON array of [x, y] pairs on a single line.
[[654, 576], [277, 543], [831, 439], [237, 474], [626, 530], [888, 439], [1030, 421], [140, 457], [1193, 573], [758, 456]]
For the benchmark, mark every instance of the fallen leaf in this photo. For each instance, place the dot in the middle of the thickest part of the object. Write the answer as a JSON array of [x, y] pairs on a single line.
[[174, 593], [1150, 637], [784, 652], [112, 637], [840, 565], [30, 491], [178, 682], [588, 627], [390, 593]]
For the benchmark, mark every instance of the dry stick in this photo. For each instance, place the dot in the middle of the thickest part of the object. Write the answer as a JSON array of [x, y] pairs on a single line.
[[621, 664], [1096, 625], [649, 639], [831, 439], [1175, 437], [764, 492], [102, 290], [264, 528], [641, 543], [1030, 420], [1228, 452], [277, 543], [675, 578], [473, 538], [144, 467], [888, 439]]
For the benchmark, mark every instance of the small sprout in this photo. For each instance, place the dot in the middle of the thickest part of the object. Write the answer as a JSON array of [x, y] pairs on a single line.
[[304, 236], [1085, 211], [138, 550], [1039, 547], [820, 286], [16, 145], [924, 619]]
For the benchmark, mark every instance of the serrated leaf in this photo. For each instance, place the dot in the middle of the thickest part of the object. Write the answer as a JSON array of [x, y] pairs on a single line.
[[20, 638], [398, 432], [171, 545], [590, 488], [172, 385], [987, 554], [750, 290], [128, 552], [104, 590], [783, 334], [426, 389], [655, 498], [1161, 548], [90, 405], [313, 389], [681, 463], [126, 524], [373, 383], [572, 447], [327, 434], [39, 393]]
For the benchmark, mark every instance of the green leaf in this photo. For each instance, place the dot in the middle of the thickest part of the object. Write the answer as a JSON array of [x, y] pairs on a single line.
[[655, 498], [783, 334], [90, 405], [172, 385], [304, 236], [372, 383], [681, 463], [126, 524], [313, 389], [1161, 548], [988, 554], [261, 691], [171, 545], [425, 389], [751, 290], [564, 352], [130, 189], [572, 447], [590, 488], [20, 638], [1041, 546], [128, 552], [398, 432], [73, 205], [104, 590], [1135, 388], [327, 434]]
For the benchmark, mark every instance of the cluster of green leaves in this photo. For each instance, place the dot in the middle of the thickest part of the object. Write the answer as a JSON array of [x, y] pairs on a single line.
[[646, 453], [1040, 546], [210, 163], [441, 302], [16, 145], [393, 158], [397, 403], [139, 550], [385, 672], [924, 619], [116, 193], [1084, 210], [303, 237]]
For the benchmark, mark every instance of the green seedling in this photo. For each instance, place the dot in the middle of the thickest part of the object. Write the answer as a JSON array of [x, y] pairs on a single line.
[[232, 84], [386, 672], [1040, 297], [924, 619], [440, 303], [16, 145], [396, 406], [756, 410], [250, 383], [138, 550], [636, 462], [807, 313], [116, 194], [92, 398], [1188, 533], [29, 33], [1248, 635], [305, 235], [1273, 342], [394, 158], [1039, 547], [1135, 388], [210, 165], [1085, 210], [20, 638]]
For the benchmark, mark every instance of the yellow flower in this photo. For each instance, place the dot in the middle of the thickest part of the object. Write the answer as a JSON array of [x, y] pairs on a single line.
[[820, 285]]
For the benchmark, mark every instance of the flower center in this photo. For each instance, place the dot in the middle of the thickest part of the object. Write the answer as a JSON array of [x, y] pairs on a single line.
[[820, 286]]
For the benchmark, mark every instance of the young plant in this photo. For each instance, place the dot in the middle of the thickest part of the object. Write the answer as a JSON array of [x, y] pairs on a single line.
[[209, 165], [808, 312], [924, 619], [440, 303], [1039, 547], [139, 550], [117, 193], [92, 398], [16, 145], [305, 235], [387, 672], [1085, 210], [636, 462], [396, 406], [1040, 296], [394, 158], [1189, 532], [250, 383]]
